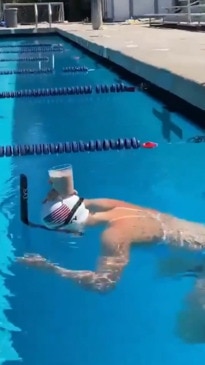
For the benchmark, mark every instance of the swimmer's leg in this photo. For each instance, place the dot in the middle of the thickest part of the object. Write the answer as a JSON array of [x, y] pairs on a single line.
[[185, 234], [191, 319], [178, 266]]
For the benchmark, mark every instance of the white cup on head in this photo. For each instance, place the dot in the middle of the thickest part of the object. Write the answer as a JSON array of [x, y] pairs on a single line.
[[61, 177], [60, 171]]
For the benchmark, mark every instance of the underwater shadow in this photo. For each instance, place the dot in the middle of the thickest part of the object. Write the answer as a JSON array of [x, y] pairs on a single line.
[[168, 126]]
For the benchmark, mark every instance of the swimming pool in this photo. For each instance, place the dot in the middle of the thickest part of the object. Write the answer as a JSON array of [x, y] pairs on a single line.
[[48, 320]]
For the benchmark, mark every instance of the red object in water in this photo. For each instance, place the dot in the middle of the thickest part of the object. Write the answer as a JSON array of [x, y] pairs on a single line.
[[149, 145]]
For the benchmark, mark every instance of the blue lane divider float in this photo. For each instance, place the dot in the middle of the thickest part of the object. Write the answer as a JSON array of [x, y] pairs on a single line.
[[26, 71], [50, 45], [42, 71], [69, 147], [75, 90], [75, 69], [24, 59], [33, 50]]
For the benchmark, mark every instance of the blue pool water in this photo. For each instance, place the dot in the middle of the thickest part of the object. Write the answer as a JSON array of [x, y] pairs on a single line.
[[45, 319]]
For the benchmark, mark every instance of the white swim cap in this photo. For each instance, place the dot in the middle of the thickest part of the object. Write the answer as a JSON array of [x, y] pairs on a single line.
[[69, 213]]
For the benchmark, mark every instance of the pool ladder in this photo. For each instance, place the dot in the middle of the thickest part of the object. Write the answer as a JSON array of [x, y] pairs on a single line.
[[50, 13]]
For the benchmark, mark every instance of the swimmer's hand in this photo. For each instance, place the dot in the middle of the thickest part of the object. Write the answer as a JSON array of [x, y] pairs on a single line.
[[100, 282], [34, 260]]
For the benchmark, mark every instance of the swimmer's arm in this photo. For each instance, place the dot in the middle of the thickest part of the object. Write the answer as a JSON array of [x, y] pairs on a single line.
[[109, 268], [112, 261]]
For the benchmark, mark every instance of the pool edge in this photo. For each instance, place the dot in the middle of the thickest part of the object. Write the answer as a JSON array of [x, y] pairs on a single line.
[[182, 87], [185, 89]]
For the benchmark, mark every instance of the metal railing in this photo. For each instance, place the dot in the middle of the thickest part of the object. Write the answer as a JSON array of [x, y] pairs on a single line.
[[190, 12], [26, 15], [180, 7], [193, 10]]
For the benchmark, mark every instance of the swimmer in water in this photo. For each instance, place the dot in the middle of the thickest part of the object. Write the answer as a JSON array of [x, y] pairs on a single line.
[[125, 225]]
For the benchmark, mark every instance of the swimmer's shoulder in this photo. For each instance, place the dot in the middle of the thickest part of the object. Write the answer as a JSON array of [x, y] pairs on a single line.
[[108, 204], [108, 201]]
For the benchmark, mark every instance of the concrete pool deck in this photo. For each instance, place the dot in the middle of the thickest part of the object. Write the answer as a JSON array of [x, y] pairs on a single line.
[[172, 59]]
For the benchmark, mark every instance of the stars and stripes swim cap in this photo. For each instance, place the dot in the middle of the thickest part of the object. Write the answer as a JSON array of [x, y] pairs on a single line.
[[57, 216], [69, 213]]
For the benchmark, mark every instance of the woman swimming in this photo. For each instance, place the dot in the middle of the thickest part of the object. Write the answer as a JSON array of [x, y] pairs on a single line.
[[125, 225]]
